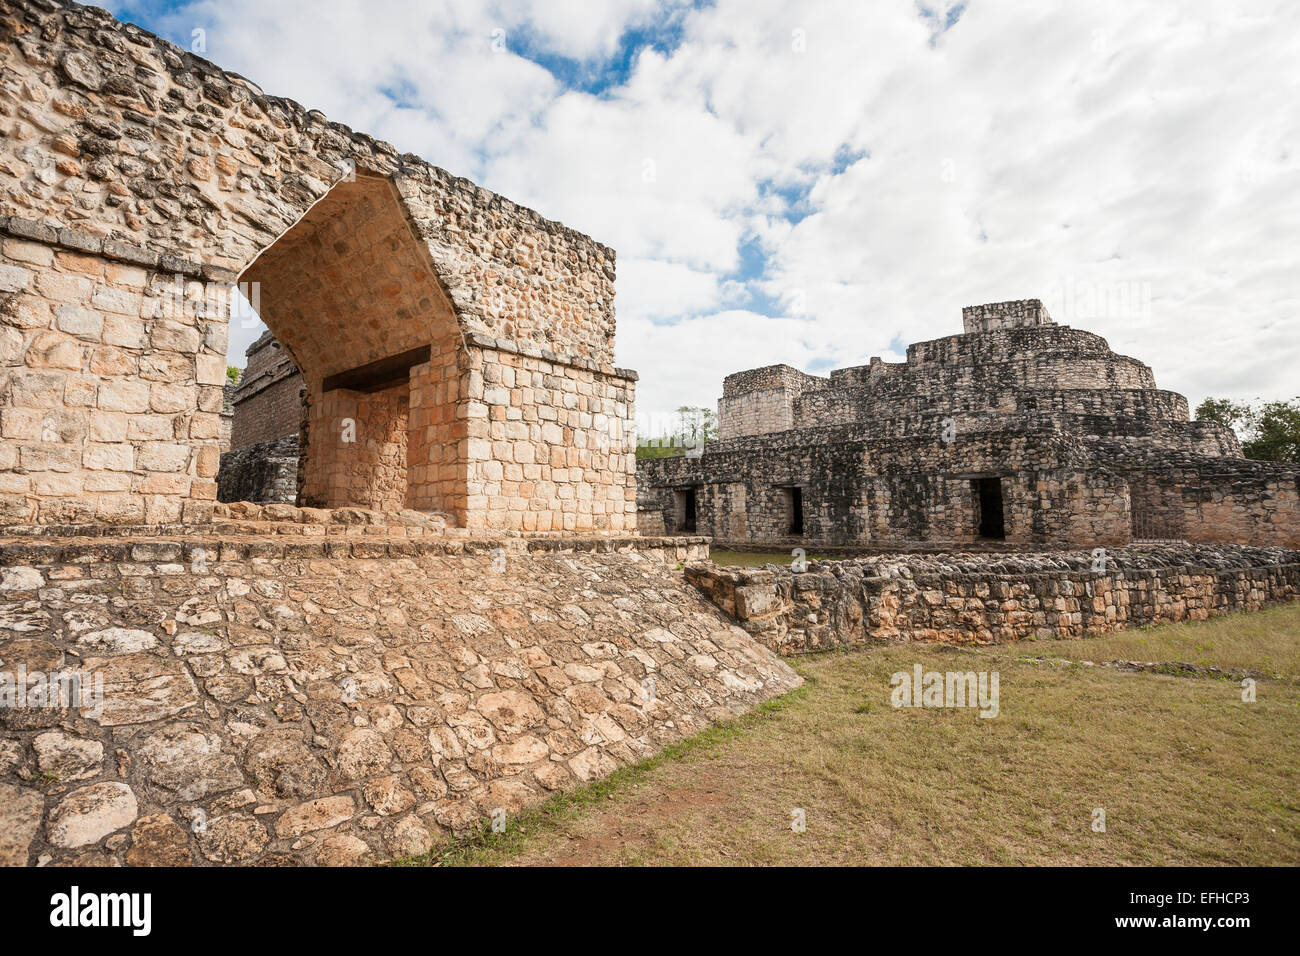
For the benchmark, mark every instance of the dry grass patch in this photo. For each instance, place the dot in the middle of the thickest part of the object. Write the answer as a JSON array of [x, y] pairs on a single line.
[[1267, 640], [1186, 772]]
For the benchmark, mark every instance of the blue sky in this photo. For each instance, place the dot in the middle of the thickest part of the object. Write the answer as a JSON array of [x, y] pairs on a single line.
[[820, 182]]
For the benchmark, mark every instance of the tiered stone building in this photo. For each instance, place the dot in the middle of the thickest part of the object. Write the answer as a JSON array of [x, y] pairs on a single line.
[[1018, 430]]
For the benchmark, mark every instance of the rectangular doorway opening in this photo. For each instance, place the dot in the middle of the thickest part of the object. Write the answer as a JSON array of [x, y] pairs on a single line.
[[988, 511], [685, 509], [794, 510]]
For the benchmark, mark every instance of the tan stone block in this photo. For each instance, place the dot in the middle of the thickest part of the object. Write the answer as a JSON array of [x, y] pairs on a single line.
[[11, 346], [174, 337], [11, 484], [112, 361], [121, 508], [107, 481], [60, 458], [63, 287], [201, 490], [210, 369], [125, 331], [104, 457], [77, 262], [170, 398], [165, 484], [119, 273], [150, 428], [53, 350], [163, 457], [31, 389], [27, 312], [81, 391], [162, 510], [36, 253], [23, 424], [77, 320], [204, 425], [14, 278], [207, 461], [124, 396], [62, 485], [117, 301]]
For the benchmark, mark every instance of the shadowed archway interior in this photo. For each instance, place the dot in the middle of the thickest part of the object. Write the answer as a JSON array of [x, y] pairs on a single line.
[[351, 293]]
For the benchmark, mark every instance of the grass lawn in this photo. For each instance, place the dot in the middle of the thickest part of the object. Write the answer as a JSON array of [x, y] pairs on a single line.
[[1186, 772]]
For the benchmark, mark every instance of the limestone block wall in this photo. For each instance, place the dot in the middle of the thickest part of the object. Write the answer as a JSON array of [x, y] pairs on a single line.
[[266, 472], [144, 135], [1075, 442], [995, 316], [894, 489], [343, 701], [761, 400], [132, 162], [1216, 499], [437, 442], [551, 446], [360, 440], [267, 403], [966, 599], [111, 380]]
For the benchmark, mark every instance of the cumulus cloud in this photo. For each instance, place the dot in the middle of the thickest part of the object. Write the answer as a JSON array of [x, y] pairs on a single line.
[[820, 182]]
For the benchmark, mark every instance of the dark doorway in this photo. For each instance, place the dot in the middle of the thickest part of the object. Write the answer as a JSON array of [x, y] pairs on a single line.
[[989, 493], [794, 509], [685, 509]]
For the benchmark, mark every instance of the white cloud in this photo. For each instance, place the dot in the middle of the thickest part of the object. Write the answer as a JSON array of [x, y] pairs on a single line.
[[1066, 151]]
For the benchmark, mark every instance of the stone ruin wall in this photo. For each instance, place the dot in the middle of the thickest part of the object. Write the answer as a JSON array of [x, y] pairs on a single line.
[[264, 473], [969, 599], [891, 491], [129, 163], [1086, 449], [343, 699], [762, 400], [995, 316], [267, 402]]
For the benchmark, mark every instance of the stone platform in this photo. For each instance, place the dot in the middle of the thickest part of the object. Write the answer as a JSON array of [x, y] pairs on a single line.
[[340, 693]]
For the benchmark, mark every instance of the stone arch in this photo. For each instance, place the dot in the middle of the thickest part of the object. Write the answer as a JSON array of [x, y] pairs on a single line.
[[355, 299]]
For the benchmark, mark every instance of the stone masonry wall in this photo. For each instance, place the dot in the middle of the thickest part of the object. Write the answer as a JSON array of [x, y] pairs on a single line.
[[130, 165], [994, 316], [110, 390], [551, 448], [343, 700], [1040, 429], [267, 403], [265, 472], [963, 598]]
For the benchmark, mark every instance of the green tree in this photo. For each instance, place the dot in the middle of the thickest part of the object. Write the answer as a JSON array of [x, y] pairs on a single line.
[[696, 425], [1269, 431], [1235, 415], [1276, 432], [232, 373]]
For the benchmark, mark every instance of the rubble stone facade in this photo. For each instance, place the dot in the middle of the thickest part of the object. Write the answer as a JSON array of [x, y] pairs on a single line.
[[993, 599], [444, 334], [267, 403], [1018, 430], [342, 698]]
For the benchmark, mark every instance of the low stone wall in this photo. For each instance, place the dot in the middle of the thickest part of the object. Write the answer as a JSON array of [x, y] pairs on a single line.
[[266, 473], [286, 699], [966, 598]]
